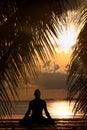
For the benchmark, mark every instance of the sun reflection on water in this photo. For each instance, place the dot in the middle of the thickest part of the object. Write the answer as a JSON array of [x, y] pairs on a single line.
[[61, 109]]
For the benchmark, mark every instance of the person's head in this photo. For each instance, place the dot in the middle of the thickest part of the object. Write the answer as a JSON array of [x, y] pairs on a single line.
[[37, 93]]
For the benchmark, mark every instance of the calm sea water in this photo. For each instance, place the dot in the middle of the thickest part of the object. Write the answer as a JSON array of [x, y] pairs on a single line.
[[56, 108]]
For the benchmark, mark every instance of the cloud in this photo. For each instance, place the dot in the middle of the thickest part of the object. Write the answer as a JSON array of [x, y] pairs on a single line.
[[52, 80], [56, 67], [50, 66], [47, 64]]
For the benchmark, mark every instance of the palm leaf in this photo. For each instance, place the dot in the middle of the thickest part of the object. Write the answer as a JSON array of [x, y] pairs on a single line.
[[78, 73], [24, 40]]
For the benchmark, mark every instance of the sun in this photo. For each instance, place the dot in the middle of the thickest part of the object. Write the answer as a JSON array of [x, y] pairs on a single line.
[[67, 29], [67, 39]]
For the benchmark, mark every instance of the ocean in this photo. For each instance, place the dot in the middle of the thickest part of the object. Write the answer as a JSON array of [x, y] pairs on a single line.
[[56, 108]]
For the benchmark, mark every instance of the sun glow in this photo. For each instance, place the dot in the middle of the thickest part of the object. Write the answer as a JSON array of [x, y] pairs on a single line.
[[61, 109], [68, 39], [67, 29]]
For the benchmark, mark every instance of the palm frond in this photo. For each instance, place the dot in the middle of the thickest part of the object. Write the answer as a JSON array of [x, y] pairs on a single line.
[[78, 73], [23, 42], [25, 30]]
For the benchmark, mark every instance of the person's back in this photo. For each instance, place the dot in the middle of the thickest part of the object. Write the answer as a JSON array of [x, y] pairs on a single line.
[[36, 106]]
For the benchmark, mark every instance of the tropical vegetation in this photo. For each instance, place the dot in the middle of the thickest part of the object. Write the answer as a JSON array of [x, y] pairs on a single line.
[[25, 27]]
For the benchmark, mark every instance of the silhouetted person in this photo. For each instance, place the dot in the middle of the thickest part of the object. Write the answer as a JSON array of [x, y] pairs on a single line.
[[36, 106]]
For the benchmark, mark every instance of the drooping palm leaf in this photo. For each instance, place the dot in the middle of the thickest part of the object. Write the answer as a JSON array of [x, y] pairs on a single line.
[[23, 41], [78, 73]]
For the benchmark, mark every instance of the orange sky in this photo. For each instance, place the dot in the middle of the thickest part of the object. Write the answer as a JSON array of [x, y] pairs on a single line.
[[63, 59], [53, 74]]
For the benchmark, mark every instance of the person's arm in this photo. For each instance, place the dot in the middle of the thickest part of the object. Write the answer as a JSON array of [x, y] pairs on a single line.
[[28, 111], [46, 111]]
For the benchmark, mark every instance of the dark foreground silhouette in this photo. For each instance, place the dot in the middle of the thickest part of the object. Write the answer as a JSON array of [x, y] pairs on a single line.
[[34, 113]]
